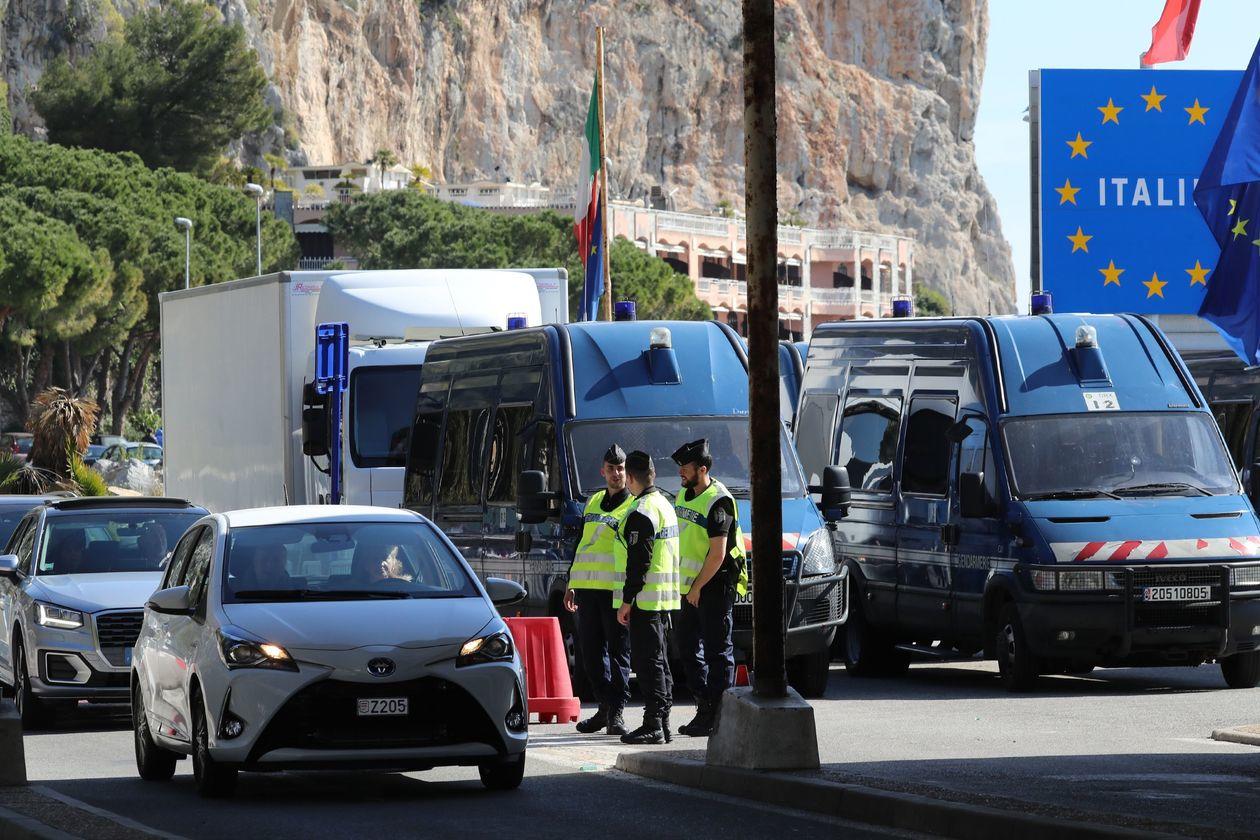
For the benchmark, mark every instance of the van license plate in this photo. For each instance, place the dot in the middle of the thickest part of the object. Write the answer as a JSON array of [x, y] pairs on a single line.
[[1176, 593], [382, 706]]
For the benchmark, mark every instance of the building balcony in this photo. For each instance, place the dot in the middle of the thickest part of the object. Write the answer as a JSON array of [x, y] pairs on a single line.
[[689, 223]]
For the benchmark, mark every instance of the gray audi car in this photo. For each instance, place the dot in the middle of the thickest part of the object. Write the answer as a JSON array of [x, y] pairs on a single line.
[[73, 584]]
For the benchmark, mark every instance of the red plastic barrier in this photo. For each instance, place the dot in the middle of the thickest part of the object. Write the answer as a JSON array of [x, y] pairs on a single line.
[[541, 647], [741, 675]]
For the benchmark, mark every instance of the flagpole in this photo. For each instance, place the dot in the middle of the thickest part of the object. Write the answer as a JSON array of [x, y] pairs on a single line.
[[603, 169]]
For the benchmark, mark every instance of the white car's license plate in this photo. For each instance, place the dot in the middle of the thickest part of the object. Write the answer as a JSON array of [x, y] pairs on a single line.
[[382, 706], [1176, 593]]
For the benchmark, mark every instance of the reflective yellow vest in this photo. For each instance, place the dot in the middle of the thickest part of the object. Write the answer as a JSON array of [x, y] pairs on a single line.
[[693, 536], [660, 587], [593, 563]]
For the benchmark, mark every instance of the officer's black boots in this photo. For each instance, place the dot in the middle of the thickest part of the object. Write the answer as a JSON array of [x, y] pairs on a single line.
[[649, 733], [701, 726], [616, 723], [595, 722], [669, 736]]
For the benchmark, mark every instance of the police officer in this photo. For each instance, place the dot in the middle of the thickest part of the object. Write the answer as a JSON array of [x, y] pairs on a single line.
[[711, 572], [647, 562], [603, 643]]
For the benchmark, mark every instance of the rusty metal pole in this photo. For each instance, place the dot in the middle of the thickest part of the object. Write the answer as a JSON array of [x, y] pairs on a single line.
[[761, 203]]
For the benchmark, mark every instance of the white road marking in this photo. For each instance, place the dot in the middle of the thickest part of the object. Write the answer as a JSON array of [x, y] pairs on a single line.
[[125, 822]]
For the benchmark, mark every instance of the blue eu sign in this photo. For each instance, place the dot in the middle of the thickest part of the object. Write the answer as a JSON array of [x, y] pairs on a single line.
[[1120, 153]]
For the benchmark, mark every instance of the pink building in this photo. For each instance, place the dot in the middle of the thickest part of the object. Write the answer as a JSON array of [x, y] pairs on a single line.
[[824, 275]]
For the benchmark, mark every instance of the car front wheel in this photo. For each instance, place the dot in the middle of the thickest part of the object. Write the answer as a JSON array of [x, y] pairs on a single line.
[[503, 775], [30, 708], [213, 780], [154, 763]]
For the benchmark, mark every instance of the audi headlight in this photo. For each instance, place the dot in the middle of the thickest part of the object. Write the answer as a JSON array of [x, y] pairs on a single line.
[[240, 652], [496, 647], [820, 559], [59, 617]]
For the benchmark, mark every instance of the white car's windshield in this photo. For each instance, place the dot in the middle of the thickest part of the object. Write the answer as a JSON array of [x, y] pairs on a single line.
[[661, 436], [1118, 454], [94, 543], [343, 560]]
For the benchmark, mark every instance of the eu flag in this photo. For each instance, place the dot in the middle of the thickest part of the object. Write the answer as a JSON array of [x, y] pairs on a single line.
[[1228, 196]]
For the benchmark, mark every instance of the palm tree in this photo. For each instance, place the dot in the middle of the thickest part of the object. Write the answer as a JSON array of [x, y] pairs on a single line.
[[63, 426], [384, 159]]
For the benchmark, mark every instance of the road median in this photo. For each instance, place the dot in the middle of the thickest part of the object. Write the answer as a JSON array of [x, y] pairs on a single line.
[[893, 809]]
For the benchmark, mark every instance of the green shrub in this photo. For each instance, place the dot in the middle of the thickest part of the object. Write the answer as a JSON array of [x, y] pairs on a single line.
[[87, 480]]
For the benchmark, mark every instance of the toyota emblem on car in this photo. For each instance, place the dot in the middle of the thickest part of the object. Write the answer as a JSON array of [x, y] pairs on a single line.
[[381, 667]]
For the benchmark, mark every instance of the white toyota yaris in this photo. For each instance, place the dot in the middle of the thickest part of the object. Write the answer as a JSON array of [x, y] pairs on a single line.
[[325, 637]]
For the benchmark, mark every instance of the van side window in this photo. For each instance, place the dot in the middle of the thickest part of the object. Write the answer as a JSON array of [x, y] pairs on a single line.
[[868, 441], [543, 453], [464, 440], [815, 422], [975, 455], [925, 458], [426, 433], [1232, 418], [507, 449]]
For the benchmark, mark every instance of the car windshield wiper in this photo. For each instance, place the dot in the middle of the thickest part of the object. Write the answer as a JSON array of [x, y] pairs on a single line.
[[272, 594], [1158, 487], [316, 594], [350, 594], [1077, 493]]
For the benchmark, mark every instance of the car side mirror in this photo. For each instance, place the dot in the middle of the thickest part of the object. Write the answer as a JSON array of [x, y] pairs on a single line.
[[534, 502], [973, 499], [9, 566], [503, 592], [174, 601], [836, 493], [314, 422]]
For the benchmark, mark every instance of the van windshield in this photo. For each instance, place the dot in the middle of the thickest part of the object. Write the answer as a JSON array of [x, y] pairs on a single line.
[[1118, 454], [661, 436], [383, 401]]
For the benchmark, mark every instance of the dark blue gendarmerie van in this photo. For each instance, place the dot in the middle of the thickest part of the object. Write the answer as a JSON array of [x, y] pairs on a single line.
[[1051, 490], [510, 431]]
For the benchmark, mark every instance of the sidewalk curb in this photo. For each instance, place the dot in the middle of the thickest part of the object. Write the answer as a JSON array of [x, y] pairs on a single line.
[[1249, 735], [15, 826], [905, 811]]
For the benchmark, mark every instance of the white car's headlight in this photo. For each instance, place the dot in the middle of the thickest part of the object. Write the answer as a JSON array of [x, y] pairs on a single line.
[[496, 647], [59, 617], [240, 652], [820, 559]]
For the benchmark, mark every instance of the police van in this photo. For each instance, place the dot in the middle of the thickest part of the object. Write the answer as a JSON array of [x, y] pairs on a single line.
[[1050, 490], [509, 435]]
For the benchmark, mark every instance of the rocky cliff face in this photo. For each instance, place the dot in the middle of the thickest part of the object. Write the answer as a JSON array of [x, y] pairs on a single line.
[[877, 101]]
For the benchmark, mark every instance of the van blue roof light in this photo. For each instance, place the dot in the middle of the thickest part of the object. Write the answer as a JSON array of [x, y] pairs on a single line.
[[623, 310], [1042, 303], [517, 322], [902, 307]]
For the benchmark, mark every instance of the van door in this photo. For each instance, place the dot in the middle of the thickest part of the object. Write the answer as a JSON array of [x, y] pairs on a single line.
[[460, 508], [981, 544], [507, 459], [923, 587]]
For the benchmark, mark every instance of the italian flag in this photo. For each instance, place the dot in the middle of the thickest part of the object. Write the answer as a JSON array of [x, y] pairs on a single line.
[[587, 218]]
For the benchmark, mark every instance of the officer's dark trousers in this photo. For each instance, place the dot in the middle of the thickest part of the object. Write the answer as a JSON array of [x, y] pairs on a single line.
[[648, 653], [604, 646], [705, 643]]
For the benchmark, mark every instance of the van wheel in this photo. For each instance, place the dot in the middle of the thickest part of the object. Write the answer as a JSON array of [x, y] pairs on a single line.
[[30, 708], [1242, 670], [1016, 664], [503, 775], [809, 674], [869, 653], [154, 763], [213, 780]]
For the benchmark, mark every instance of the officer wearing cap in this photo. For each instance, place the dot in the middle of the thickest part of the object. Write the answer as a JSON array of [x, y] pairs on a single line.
[[711, 572], [647, 565], [602, 641]]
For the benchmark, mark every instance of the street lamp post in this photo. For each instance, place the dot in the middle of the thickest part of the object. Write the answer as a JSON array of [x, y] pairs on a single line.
[[257, 192], [186, 225]]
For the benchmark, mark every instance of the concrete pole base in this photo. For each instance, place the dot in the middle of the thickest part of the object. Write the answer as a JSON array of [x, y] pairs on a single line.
[[12, 755], [758, 733]]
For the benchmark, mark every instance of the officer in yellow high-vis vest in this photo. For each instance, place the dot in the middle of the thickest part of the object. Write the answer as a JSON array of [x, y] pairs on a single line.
[[603, 644], [647, 562], [712, 572]]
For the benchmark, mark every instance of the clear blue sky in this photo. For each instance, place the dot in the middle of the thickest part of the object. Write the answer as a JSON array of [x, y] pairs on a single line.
[[1033, 34]]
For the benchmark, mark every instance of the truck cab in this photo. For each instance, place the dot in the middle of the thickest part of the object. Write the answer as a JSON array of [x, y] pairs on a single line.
[[509, 434], [1050, 490]]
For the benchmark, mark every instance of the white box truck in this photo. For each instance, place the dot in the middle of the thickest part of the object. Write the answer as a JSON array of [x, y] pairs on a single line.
[[236, 357]]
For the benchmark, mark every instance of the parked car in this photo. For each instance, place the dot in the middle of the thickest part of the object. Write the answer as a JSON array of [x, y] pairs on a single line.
[[93, 453], [149, 453], [72, 589], [321, 636], [18, 444], [108, 440]]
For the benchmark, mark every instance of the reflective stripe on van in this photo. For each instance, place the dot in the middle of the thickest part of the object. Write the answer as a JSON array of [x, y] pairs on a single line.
[[1119, 551]]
